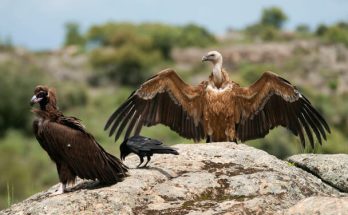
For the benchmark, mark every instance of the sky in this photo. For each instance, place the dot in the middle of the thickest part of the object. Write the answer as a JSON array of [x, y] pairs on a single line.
[[39, 24]]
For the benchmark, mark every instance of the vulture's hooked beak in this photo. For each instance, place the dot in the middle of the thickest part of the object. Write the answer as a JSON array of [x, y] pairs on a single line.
[[34, 100], [205, 58]]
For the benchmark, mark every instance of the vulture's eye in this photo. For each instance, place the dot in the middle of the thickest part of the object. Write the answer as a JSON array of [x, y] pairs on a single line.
[[42, 94]]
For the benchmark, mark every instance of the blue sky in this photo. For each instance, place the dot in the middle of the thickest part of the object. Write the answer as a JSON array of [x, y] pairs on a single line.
[[39, 24]]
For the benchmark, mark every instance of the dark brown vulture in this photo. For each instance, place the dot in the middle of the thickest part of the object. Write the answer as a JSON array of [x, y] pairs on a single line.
[[218, 109], [70, 146]]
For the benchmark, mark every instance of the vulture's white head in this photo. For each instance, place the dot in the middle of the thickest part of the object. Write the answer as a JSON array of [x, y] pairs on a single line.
[[213, 56], [216, 59]]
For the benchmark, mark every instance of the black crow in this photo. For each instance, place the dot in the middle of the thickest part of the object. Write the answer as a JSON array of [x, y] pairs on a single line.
[[144, 146]]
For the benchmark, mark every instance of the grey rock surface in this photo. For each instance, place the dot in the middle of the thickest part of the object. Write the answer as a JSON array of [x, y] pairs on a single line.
[[320, 205], [217, 178], [332, 169]]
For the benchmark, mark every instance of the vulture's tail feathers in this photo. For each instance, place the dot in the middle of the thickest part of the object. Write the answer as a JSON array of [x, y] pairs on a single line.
[[115, 170]]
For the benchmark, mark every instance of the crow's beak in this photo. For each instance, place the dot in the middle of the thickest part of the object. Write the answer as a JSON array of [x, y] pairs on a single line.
[[34, 100]]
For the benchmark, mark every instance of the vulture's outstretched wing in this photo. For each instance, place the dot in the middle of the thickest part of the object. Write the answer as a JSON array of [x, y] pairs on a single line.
[[272, 101], [80, 151], [165, 99]]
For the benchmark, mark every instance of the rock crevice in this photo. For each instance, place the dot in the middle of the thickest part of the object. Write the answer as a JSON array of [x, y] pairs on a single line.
[[331, 169]]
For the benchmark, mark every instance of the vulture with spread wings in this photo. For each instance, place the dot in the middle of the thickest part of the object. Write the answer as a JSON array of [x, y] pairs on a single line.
[[218, 109], [70, 146]]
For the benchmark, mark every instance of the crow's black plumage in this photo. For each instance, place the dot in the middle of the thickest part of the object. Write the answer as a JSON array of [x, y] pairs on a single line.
[[144, 146]]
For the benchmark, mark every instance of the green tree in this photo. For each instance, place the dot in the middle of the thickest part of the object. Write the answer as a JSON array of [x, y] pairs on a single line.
[[164, 37], [127, 65], [150, 36], [303, 29], [73, 35], [321, 30], [126, 52], [273, 16], [194, 35]]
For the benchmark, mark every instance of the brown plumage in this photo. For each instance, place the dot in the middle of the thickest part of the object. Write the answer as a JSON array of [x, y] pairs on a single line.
[[218, 109], [70, 146]]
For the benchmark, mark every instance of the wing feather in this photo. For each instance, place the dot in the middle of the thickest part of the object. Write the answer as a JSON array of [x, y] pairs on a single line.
[[272, 101], [118, 117], [164, 99], [80, 152], [307, 129], [125, 121]]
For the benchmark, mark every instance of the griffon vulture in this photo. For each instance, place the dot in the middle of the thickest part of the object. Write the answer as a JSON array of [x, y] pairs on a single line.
[[219, 109], [144, 146], [70, 146]]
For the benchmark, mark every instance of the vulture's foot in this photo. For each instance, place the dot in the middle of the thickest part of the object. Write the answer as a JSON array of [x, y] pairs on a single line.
[[62, 189]]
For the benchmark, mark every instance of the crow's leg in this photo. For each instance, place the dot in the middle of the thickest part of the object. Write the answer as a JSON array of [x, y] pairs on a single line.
[[141, 161], [148, 160]]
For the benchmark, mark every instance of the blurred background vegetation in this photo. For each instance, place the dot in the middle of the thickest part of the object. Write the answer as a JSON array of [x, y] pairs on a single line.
[[96, 69]]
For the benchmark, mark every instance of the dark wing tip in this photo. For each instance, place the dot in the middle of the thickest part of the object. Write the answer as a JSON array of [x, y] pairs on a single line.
[[107, 124], [117, 113]]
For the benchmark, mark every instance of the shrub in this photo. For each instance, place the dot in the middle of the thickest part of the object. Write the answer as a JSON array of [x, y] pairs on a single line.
[[303, 29], [17, 87], [273, 16], [263, 32], [127, 52], [73, 35], [271, 21], [164, 37], [321, 30], [150, 36], [193, 35], [127, 65], [252, 72], [337, 34], [71, 95]]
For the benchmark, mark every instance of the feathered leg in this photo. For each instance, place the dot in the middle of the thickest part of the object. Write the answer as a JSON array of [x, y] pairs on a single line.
[[60, 190], [208, 139], [66, 176]]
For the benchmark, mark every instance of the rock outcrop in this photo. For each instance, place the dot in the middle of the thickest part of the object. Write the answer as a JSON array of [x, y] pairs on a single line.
[[320, 205], [333, 169], [215, 178]]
